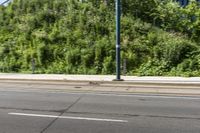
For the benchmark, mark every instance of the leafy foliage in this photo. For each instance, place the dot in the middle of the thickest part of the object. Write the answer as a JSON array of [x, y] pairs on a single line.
[[78, 37]]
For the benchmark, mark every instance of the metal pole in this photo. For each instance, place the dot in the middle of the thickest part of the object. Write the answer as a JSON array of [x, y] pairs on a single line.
[[118, 17]]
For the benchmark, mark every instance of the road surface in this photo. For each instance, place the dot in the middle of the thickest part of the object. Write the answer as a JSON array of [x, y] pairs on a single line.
[[28, 108]]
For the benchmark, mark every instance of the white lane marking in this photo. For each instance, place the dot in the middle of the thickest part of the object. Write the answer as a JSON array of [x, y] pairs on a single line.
[[69, 117]]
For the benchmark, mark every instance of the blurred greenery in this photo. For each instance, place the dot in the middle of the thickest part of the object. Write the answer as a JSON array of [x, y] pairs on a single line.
[[158, 37]]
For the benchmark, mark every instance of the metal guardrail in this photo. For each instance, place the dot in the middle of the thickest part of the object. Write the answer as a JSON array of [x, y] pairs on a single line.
[[5, 2]]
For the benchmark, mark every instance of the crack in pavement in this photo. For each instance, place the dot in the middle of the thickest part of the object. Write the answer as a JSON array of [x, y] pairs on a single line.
[[65, 110], [29, 109], [136, 115]]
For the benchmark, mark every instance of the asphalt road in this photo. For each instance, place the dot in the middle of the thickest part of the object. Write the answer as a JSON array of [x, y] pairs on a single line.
[[27, 108]]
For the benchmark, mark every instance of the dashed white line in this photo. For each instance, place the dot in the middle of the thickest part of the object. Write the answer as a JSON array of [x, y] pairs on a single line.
[[69, 117]]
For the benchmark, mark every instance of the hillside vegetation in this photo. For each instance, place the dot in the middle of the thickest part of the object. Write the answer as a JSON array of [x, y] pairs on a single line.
[[78, 37]]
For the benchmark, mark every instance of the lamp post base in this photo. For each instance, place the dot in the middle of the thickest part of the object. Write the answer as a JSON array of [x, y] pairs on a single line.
[[118, 80]]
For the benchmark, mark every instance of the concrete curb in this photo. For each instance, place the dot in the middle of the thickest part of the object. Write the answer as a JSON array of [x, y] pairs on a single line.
[[96, 88], [109, 83], [104, 83], [160, 85]]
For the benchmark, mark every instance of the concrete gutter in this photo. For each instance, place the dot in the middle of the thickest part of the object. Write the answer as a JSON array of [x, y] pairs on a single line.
[[105, 83]]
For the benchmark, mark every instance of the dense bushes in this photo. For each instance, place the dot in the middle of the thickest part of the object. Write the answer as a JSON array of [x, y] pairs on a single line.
[[69, 36]]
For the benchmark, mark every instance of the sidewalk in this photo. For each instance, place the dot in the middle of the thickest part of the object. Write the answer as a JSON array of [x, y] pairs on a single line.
[[100, 78], [105, 83]]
